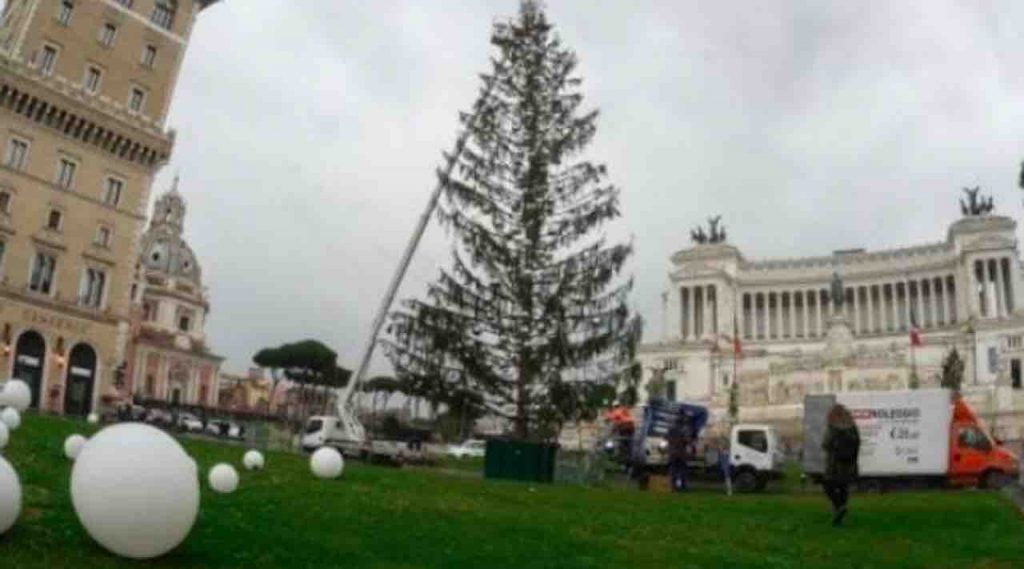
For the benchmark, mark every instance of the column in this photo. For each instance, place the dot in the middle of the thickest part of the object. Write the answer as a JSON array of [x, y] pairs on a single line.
[[698, 312], [711, 315], [1006, 283], [906, 304], [856, 310], [997, 277], [792, 314], [937, 304], [894, 307], [759, 317], [684, 313], [871, 307], [768, 315], [977, 291], [806, 301]]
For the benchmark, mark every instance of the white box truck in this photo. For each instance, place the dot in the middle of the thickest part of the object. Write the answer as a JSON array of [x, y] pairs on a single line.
[[923, 436]]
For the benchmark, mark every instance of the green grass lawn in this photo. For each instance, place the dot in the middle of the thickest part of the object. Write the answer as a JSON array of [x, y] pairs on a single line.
[[391, 518]]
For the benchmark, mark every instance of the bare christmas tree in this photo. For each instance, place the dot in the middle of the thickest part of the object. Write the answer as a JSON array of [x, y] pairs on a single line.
[[534, 297]]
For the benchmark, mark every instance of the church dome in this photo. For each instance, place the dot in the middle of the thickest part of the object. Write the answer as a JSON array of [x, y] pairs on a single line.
[[163, 248]]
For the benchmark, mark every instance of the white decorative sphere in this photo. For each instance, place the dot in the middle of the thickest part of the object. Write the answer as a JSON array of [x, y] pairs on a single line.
[[326, 463], [253, 460], [11, 418], [16, 393], [10, 496], [223, 478], [93, 418], [5, 435], [73, 446], [135, 490]]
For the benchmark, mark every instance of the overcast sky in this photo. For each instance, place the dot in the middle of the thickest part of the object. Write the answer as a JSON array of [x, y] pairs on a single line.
[[309, 131]]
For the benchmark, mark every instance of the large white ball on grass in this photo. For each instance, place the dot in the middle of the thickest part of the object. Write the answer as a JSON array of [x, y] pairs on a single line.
[[326, 463], [10, 496], [223, 478], [16, 393], [73, 446], [5, 435], [11, 417], [135, 490], [93, 418], [253, 460]]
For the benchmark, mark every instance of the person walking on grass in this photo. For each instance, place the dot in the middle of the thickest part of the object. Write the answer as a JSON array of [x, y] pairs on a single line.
[[679, 438], [841, 446]]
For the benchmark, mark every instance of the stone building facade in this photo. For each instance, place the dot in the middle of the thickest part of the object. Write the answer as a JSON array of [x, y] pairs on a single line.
[[85, 87], [168, 357], [963, 293]]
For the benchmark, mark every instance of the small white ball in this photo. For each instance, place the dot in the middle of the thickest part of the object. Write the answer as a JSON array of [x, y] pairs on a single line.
[[223, 478], [135, 490], [16, 393], [93, 419], [11, 418], [73, 446], [10, 496], [253, 460], [5, 435], [326, 463]]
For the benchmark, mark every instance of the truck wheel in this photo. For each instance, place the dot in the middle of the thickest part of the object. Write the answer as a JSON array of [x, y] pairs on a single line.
[[745, 481], [994, 480]]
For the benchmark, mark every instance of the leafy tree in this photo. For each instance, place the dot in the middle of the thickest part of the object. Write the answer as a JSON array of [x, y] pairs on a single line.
[[532, 293], [952, 371], [308, 363]]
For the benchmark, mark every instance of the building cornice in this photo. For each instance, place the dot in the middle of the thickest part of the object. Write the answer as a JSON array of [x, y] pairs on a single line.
[[54, 102]]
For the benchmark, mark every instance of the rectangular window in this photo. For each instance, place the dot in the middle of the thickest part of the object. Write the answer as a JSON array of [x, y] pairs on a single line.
[[49, 60], [107, 34], [112, 193], [5, 202], [756, 440], [66, 173], [17, 154], [103, 236], [1015, 375], [1014, 342], [64, 10], [149, 55], [90, 291], [670, 390], [44, 267], [92, 79], [163, 15], [55, 220], [136, 100]]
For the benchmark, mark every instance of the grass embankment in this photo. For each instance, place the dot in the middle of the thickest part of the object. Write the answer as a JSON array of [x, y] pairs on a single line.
[[391, 518]]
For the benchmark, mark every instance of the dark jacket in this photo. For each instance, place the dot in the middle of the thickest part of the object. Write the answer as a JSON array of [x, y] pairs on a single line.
[[842, 447], [678, 439]]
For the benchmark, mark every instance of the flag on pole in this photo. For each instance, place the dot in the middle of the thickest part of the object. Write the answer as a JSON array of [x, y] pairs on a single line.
[[915, 330]]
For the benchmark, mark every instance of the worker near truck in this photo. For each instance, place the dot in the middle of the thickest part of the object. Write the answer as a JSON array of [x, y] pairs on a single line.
[[679, 439], [842, 447]]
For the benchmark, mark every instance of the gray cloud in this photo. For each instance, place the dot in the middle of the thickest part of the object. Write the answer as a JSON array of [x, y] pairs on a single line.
[[308, 134]]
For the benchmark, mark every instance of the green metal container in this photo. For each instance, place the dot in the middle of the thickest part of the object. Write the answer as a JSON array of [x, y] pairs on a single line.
[[520, 460]]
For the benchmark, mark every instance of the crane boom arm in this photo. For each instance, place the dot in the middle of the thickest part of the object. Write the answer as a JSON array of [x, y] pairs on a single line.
[[345, 397]]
